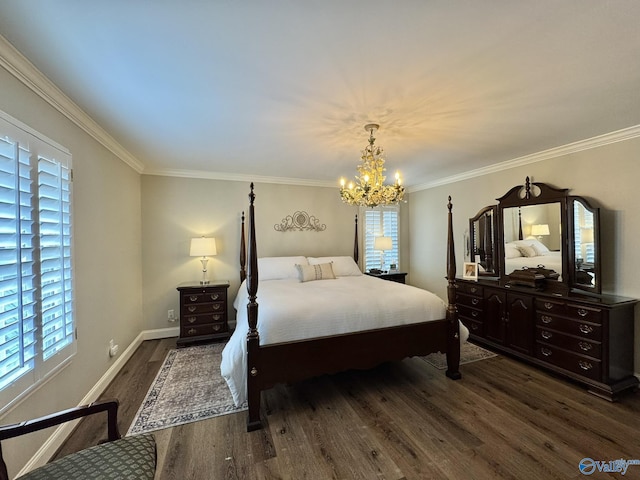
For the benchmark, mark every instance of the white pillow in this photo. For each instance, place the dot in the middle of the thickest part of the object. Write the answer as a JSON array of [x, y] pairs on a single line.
[[527, 251], [321, 271], [511, 251], [278, 268], [342, 266], [532, 242]]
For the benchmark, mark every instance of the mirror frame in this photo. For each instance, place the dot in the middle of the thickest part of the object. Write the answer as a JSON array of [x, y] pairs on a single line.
[[537, 194], [596, 269], [495, 251]]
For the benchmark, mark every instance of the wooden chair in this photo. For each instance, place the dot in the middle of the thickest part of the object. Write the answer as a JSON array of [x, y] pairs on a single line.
[[115, 458]]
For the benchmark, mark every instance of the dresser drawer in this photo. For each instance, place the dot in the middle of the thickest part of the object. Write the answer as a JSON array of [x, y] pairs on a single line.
[[551, 306], [469, 300], [189, 320], [203, 297], [198, 330], [588, 314], [215, 307], [469, 288], [585, 366], [470, 312], [569, 342], [590, 331]]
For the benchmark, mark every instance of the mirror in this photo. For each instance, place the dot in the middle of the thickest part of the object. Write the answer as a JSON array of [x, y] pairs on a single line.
[[537, 226], [585, 251], [482, 233], [533, 237]]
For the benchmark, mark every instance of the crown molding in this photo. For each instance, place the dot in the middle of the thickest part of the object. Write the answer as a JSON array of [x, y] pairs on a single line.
[[240, 177], [21, 68], [594, 142]]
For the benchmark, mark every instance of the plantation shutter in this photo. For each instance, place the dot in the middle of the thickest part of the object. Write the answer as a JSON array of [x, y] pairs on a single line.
[[37, 330], [380, 221]]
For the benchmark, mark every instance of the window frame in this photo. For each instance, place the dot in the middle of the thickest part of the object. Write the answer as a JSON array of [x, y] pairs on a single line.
[[372, 258], [48, 199]]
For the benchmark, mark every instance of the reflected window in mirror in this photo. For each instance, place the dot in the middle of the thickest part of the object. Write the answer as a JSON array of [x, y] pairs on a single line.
[[585, 250], [482, 239]]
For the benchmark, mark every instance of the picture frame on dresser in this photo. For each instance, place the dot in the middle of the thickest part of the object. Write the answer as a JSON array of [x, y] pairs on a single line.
[[470, 271]]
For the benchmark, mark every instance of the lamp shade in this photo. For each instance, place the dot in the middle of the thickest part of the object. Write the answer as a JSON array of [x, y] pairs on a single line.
[[382, 243], [203, 247], [542, 229]]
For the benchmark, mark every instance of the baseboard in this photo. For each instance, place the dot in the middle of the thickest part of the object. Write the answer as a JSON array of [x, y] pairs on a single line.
[[58, 437]]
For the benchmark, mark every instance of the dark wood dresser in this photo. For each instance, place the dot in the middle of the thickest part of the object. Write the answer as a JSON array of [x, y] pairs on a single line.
[[588, 338], [203, 312]]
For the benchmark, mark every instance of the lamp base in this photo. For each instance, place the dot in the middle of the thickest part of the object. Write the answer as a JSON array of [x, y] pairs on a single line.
[[204, 282]]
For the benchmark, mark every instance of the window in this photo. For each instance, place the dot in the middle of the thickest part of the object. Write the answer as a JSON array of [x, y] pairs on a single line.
[[37, 331], [380, 221]]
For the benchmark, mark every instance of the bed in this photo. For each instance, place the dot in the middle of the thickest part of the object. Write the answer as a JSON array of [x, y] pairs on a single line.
[[530, 253], [276, 347]]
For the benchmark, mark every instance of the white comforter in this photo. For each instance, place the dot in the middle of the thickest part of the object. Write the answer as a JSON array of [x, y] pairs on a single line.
[[290, 310], [552, 260]]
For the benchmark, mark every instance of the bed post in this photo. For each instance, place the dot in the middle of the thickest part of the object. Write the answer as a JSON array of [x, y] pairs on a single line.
[[453, 328], [253, 339], [243, 253], [356, 252]]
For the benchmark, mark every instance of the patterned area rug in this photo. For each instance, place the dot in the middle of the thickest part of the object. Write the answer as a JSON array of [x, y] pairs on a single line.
[[188, 388], [468, 353]]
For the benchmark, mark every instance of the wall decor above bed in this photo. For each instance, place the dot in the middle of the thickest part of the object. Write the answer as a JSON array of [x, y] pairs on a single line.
[[539, 298], [301, 221]]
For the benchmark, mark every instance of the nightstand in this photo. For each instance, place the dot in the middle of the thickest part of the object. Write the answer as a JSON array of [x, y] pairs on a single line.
[[203, 312], [398, 277]]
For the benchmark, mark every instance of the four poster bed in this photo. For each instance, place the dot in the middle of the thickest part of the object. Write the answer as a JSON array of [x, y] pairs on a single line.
[[309, 328]]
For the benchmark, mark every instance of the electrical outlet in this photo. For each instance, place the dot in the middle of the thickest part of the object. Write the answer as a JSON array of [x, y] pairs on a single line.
[[113, 348], [171, 315]]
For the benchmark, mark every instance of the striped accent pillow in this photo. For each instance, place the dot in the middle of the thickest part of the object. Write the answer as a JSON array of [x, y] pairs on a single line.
[[322, 271]]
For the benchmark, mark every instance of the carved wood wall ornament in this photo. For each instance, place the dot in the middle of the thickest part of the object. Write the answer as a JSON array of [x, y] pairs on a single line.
[[300, 220]]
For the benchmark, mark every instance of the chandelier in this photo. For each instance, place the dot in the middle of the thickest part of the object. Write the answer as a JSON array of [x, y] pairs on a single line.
[[369, 189]]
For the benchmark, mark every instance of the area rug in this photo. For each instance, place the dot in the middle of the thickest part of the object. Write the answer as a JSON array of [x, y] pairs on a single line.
[[188, 388], [468, 353]]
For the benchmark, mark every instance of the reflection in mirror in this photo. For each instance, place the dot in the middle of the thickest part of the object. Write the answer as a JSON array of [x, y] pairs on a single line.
[[483, 241], [533, 237], [584, 245]]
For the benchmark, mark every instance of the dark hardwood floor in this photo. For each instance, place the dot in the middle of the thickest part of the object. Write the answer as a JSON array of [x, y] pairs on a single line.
[[401, 420]]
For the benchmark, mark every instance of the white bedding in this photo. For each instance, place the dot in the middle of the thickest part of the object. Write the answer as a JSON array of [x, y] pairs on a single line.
[[290, 310]]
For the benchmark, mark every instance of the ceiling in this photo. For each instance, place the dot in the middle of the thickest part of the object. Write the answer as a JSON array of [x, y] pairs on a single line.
[[284, 88]]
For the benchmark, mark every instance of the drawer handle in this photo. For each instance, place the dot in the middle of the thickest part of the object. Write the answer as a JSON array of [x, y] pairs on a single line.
[[216, 306], [546, 352], [585, 328], [475, 301], [215, 296], [474, 289], [216, 317], [192, 308], [216, 327], [585, 346], [548, 305], [474, 326], [546, 319], [546, 335], [585, 365], [193, 298], [191, 319], [191, 331], [475, 314], [582, 312]]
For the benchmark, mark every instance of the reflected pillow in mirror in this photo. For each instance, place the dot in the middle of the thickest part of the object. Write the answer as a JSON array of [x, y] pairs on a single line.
[[511, 251], [527, 251]]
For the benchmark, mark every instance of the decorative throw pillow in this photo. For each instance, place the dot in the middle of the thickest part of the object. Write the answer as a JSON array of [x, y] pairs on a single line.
[[511, 251], [342, 266], [527, 251], [322, 271]]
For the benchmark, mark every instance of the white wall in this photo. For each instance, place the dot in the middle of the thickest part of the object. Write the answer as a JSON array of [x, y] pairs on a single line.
[[107, 240], [606, 176]]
